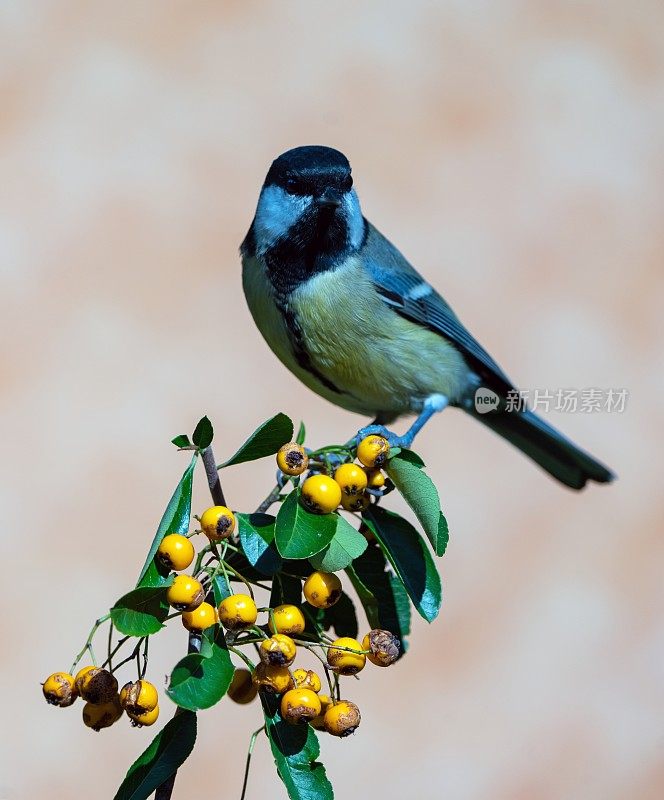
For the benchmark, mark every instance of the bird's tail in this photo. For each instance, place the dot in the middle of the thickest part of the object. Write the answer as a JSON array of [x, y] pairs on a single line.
[[548, 448]]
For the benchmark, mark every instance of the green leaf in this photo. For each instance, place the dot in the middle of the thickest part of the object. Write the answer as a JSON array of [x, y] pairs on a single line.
[[342, 617], [295, 749], [200, 680], [257, 538], [419, 492], [285, 589], [166, 753], [299, 533], [381, 593], [221, 588], [264, 441], [408, 455], [181, 441], [141, 611], [410, 557], [301, 434], [203, 433], [175, 520], [346, 545]]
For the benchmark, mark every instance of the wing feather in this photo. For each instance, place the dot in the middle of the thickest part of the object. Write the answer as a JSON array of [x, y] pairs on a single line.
[[404, 290]]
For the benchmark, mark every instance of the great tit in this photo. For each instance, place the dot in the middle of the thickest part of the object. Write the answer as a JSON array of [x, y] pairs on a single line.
[[353, 320]]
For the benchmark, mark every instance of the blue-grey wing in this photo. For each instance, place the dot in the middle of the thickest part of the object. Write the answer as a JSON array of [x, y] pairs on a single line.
[[404, 290]]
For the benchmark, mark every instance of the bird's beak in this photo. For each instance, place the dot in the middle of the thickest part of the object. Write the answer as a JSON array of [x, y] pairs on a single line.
[[330, 198]]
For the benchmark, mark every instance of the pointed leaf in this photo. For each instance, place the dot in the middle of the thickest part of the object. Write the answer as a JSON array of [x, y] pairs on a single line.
[[141, 611], [175, 520], [167, 752], [346, 545], [299, 533], [264, 441], [181, 441], [257, 537], [410, 557], [342, 617], [285, 590], [200, 680], [221, 588], [295, 749], [203, 434], [301, 434], [385, 601], [419, 492]]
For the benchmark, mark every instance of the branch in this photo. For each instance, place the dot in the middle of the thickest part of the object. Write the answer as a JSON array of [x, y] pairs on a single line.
[[165, 791]]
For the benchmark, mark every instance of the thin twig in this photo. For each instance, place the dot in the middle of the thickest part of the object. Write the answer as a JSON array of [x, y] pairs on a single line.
[[165, 791], [252, 742]]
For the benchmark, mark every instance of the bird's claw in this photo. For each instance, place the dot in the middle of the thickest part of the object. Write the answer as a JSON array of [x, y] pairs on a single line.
[[393, 439]]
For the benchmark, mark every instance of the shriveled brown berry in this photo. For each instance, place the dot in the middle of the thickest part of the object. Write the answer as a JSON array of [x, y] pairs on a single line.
[[99, 686], [385, 647]]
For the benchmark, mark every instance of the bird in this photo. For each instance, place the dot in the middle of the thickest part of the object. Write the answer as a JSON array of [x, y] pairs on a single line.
[[344, 311]]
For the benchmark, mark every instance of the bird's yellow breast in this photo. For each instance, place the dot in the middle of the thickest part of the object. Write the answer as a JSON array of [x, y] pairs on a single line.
[[379, 361]]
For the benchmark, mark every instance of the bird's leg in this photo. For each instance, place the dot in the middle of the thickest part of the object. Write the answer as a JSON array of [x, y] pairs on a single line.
[[432, 405]]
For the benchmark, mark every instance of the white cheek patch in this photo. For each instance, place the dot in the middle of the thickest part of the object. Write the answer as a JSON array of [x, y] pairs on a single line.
[[419, 291], [276, 213], [353, 214]]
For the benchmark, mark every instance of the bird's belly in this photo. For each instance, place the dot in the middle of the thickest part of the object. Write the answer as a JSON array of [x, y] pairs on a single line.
[[381, 361]]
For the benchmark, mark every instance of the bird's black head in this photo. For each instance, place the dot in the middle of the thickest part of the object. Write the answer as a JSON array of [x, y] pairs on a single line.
[[308, 217], [311, 170]]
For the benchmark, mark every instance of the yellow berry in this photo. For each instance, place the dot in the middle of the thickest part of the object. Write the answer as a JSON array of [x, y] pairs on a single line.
[[342, 660], [300, 706], [237, 611], [59, 689], [78, 680], [185, 593], [373, 451], [278, 651], [98, 686], [342, 718], [102, 715], [287, 619], [385, 647], [273, 679], [375, 478], [200, 618], [144, 719], [306, 679], [218, 523], [322, 589], [359, 502], [351, 479], [319, 721], [175, 552], [292, 459], [242, 689], [139, 697], [320, 494]]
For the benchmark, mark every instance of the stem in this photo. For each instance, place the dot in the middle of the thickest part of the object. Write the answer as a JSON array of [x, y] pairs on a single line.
[[213, 477], [252, 742], [241, 655], [165, 790], [269, 500], [88, 643]]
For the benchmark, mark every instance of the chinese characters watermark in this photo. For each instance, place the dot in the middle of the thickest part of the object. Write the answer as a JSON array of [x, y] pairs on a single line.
[[570, 401]]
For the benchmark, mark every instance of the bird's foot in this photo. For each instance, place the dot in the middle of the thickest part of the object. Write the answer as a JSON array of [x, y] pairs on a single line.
[[393, 439]]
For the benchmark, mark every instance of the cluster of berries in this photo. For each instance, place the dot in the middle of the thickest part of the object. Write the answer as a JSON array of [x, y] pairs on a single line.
[[350, 487], [277, 641], [103, 704]]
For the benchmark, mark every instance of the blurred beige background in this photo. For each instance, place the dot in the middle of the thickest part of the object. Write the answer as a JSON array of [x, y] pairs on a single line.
[[513, 151]]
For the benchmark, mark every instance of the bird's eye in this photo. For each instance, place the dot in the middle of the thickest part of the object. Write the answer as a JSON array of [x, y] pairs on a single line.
[[347, 183], [292, 185]]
